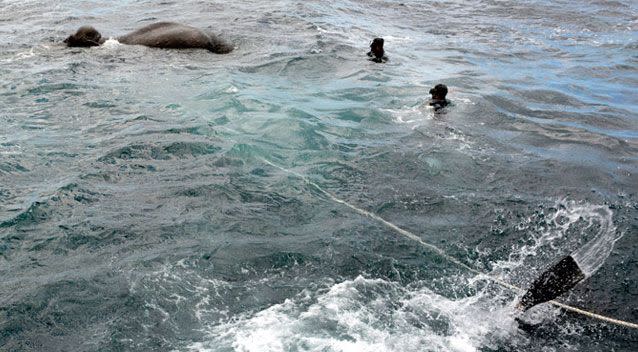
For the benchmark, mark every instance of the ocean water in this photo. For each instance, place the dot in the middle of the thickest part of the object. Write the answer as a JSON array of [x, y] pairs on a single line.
[[158, 200]]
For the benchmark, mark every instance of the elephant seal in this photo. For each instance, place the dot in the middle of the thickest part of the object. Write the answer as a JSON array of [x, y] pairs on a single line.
[[86, 36], [167, 35]]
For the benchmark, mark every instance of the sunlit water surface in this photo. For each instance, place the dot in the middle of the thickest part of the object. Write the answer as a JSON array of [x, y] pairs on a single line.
[[138, 210]]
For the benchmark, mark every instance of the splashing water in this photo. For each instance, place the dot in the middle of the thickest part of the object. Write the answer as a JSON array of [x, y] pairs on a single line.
[[591, 256], [135, 215], [378, 315], [585, 230], [368, 315]]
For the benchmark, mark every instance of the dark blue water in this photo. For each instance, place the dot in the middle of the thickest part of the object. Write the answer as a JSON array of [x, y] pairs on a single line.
[[140, 208]]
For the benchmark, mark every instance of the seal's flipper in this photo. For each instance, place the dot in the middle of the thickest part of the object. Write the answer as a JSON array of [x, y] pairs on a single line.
[[552, 283]]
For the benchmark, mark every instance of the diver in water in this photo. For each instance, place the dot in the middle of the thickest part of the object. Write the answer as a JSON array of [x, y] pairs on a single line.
[[376, 53], [168, 35], [438, 101]]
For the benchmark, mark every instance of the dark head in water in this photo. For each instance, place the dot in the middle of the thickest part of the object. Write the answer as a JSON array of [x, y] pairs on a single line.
[[439, 92], [168, 35], [376, 52], [86, 36], [376, 47], [553, 282]]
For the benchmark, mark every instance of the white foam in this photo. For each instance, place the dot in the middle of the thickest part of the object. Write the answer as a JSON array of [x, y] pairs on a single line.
[[111, 43], [415, 115], [232, 89], [367, 315]]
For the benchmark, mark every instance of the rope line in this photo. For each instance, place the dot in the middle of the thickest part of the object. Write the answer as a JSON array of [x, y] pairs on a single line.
[[441, 253]]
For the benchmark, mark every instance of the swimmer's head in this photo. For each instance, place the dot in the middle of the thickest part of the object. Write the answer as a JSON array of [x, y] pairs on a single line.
[[376, 47], [439, 92], [85, 36]]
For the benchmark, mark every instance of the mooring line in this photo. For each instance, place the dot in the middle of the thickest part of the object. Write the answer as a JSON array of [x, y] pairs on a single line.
[[442, 253]]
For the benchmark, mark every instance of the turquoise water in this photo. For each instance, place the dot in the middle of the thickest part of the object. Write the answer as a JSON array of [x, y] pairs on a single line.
[[139, 211]]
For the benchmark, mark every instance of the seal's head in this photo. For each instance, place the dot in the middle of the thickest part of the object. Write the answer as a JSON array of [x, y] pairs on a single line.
[[439, 92], [376, 48], [85, 36]]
